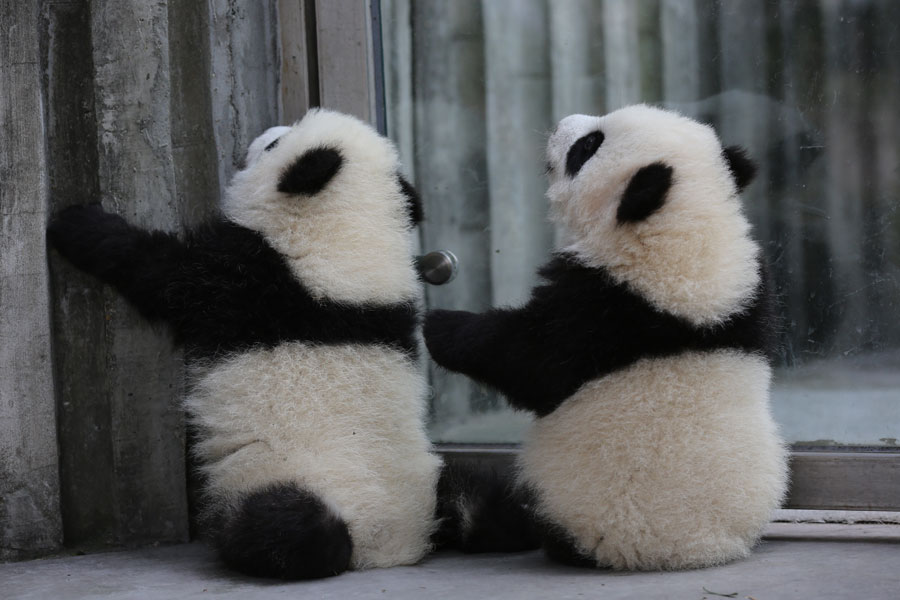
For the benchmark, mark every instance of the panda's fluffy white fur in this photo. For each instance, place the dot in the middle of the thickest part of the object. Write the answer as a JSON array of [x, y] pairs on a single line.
[[343, 422], [695, 259], [372, 261], [645, 354], [299, 313]]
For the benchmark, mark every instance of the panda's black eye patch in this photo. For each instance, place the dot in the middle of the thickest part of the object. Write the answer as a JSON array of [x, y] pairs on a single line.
[[413, 201], [581, 151], [311, 172], [272, 144]]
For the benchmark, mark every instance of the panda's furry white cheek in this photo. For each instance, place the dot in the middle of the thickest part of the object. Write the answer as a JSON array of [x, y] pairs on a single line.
[[595, 207]]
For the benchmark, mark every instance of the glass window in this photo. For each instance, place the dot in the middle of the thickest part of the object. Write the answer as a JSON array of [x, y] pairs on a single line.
[[810, 88]]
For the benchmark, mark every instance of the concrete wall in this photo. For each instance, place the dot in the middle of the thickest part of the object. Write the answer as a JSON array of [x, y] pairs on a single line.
[[29, 482], [146, 107]]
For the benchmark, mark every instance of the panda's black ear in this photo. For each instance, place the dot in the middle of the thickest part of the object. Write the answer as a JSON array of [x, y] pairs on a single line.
[[310, 172], [645, 194], [413, 201], [742, 167]]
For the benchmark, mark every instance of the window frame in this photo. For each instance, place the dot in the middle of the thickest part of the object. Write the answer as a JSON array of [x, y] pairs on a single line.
[[349, 77]]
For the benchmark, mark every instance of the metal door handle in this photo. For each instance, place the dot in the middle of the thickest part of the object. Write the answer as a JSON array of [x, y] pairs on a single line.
[[438, 267]]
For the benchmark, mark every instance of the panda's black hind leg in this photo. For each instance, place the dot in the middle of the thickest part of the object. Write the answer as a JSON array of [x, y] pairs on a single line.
[[285, 532], [560, 547], [481, 510]]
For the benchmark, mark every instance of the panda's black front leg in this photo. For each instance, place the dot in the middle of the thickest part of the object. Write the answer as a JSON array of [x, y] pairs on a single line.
[[523, 353], [472, 343], [452, 340], [138, 263], [494, 347]]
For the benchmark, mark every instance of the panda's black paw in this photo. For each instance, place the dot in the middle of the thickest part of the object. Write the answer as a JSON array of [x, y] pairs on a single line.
[[285, 532], [78, 232], [444, 335]]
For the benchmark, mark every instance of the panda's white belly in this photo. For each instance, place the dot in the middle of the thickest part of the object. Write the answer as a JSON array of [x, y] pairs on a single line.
[[670, 463], [345, 422]]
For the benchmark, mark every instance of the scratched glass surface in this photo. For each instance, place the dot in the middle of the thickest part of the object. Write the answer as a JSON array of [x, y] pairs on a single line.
[[810, 88]]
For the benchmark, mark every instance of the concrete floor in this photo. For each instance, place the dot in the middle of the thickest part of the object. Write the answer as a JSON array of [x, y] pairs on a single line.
[[795, 561]]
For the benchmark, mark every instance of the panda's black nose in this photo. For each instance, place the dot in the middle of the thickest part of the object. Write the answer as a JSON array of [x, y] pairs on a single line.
[[582, 150]]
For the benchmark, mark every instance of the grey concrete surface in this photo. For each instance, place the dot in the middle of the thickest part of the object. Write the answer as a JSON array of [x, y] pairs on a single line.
[[30, 522], [794, 564]]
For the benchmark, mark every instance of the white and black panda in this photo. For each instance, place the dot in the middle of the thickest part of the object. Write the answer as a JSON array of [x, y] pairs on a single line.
[[644, 354], [299, 312]]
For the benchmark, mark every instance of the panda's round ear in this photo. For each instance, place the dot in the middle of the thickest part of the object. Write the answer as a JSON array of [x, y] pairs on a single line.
[[645, 194], [311, 172], [413, 201], [742, 167]]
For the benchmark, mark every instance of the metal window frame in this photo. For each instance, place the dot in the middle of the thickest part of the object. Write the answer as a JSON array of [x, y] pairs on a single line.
[[348, 76]]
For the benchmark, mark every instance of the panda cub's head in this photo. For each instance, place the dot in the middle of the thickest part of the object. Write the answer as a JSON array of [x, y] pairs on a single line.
[[652, 197], [327, 194]]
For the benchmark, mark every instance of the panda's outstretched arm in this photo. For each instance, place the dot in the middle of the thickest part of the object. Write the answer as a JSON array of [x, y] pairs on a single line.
[[537, 355], [463, 341], [502, 348], [138, 263]]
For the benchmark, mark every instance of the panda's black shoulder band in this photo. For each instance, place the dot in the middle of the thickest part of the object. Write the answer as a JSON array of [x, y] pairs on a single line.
[[235, 292], [580, 326]]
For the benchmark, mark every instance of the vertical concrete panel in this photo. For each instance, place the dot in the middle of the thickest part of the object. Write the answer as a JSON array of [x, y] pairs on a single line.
[[292, 30], [518, 123], [801, 210], [578, 79], [87, 471], [346, 69], [450, 141], [743, 46], [844, 190], [194, 156], [576, 58], [680, 25], [30, 522], [622, 53], [245, 61], [884, 124], [137, 179], [650, 51]]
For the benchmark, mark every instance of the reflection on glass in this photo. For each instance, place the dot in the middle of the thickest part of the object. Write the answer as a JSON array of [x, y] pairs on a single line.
[[811, 88]]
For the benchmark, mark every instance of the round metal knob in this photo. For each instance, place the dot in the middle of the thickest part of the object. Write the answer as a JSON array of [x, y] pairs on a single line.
[[438, 267]]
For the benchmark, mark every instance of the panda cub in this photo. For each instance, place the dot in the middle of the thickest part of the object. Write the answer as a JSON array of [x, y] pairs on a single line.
[[644, 354], [298, 311]]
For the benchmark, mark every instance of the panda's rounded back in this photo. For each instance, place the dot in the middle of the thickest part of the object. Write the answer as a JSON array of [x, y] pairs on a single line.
[[348, 241], [322, 390], [670, 463], [694, 257]]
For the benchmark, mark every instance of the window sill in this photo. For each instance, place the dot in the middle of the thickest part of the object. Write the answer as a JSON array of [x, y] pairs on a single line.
[[865, 479], [795, 560]]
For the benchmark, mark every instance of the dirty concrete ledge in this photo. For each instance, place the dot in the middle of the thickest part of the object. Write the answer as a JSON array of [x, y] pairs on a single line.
[[795, 561]]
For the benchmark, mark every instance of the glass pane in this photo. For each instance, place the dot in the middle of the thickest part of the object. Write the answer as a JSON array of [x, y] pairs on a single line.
[[811, 88]]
